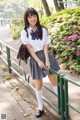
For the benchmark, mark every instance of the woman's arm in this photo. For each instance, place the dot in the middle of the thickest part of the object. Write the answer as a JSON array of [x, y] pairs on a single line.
[[46, 55], [40, 63], [25, 41]]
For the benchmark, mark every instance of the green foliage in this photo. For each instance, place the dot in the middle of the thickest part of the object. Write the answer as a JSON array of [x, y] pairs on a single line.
[[15, 8], [12, 9], [16, 27], [7, 77], [13, 85], [64, 28], [3, 67]]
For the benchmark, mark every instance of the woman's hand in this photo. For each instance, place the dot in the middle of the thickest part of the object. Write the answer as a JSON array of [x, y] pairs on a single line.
[[41, 64], [47, 63]]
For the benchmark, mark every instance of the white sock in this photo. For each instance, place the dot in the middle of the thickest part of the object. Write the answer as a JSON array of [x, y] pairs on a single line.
[[39, 99], [55, 89]]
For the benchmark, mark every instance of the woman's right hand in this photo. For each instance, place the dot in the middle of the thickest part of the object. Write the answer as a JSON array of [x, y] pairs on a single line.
[[41, 64]]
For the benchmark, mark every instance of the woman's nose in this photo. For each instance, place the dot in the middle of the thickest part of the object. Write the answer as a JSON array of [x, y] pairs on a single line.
[[32, 18]]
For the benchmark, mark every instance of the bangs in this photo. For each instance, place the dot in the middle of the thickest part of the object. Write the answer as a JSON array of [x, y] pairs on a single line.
[[31, 12]]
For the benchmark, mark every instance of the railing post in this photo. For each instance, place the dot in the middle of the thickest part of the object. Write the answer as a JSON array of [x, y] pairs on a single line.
[[66, 100], [8, 58], [25, 76], [58, 84], [62, 101]]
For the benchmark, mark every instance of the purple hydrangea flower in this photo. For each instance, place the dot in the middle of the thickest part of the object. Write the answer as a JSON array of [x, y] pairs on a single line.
[[67, 39], [76, 52], [75, 45]]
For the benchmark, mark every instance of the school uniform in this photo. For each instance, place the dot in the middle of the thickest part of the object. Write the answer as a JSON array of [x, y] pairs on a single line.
[[37, 45]]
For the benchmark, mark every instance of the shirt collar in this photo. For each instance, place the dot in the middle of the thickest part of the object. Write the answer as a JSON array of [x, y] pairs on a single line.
[[30, 28]]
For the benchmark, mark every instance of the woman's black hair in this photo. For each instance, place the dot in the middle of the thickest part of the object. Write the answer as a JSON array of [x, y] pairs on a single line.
[[32, 11]]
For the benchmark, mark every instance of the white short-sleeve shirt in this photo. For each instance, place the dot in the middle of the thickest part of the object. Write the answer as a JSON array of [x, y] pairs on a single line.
[[36, 45]]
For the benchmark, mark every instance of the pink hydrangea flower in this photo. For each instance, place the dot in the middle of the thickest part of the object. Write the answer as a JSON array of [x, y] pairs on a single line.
[[70, 25], [73, 71], [67, 39], [77, 26], [69, 47], [52, 34], [66, 56], [76, 52], [60, 37], [74, 36]]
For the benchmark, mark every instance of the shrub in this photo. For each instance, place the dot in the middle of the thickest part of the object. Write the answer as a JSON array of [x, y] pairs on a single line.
[[16, 27], [64, 29]]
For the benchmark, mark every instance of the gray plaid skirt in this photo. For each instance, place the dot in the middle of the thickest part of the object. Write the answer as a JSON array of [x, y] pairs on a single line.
[[36, 71]]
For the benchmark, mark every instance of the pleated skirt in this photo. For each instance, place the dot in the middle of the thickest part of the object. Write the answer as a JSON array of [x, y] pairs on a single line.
[[36, 71]]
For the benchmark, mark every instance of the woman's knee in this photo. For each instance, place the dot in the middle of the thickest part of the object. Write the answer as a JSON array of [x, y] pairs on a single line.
[[51, 75], [38, 84]]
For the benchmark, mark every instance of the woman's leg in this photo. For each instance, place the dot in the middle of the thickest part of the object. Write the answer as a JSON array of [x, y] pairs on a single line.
[[38, 85], [53, 80]]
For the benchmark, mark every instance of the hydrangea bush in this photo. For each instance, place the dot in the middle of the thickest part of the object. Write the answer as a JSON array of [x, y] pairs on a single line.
[[66, 43], [64, 29]]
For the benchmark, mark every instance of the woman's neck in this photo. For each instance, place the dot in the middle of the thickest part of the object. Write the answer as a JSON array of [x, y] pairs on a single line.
[[33, 27]]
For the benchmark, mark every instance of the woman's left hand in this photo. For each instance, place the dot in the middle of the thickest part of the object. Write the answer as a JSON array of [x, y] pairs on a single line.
[[47, 63]]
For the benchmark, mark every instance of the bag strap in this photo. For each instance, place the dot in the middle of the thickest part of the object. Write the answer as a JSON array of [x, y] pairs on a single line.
[[19, 62]]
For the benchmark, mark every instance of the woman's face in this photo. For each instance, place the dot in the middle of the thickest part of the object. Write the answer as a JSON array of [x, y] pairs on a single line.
[[32, 19]]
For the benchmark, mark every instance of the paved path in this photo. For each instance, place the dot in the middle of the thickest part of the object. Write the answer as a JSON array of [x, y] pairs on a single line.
[[6, 37], [17, 101]]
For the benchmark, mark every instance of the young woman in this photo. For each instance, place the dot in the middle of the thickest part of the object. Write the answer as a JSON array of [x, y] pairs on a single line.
[[37, 41]]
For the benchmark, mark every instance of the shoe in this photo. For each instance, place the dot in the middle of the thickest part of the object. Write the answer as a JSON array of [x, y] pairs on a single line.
[[39, 113]]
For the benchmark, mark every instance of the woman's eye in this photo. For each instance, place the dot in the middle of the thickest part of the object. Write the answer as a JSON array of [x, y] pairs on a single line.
[[34, 15], [29, 17]]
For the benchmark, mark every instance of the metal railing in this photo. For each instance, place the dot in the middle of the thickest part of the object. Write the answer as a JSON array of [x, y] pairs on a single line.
[[67, 1], [62, 83]]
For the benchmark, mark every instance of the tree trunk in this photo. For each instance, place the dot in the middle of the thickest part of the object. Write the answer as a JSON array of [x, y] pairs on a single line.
[[61, 5], [46, 7], [58, 6]]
